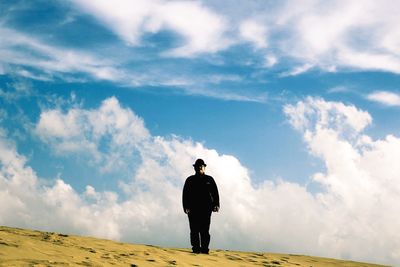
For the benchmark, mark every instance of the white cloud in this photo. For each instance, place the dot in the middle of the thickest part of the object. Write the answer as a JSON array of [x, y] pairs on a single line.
[[228, 95], [369, 60], [219, 78], [361, 188], [202, 29], [270, 60], [316, 112], [254, 32], [342, 33], [339, 89], [385, 98], [330, 35], [30, 75], [355, 216], [49, 61], [28, 57], [16, 90], [87, 132], [298, 70]]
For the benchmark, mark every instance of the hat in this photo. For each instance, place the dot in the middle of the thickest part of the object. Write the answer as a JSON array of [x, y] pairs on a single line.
[[199, 162]]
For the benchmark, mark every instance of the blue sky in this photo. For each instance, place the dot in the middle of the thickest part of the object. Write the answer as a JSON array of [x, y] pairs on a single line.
[[106, 105]]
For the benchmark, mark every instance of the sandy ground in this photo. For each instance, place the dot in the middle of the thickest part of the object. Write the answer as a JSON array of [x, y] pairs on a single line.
[[21, 247]]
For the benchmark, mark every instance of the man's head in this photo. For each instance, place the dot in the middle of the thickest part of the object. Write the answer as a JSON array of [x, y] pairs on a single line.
[[200, 166]]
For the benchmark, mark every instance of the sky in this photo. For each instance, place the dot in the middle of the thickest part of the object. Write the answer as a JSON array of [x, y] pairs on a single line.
[[293, 105]]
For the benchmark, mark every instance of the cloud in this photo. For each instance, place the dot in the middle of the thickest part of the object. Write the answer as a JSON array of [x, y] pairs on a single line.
[[28, 57], [87, 132], [316, 113], [328, 35], [343, 34], [205, 85], [20, 53], [298, 70], [270, 60], [370, 60], [16, 90], [339, 89], [227, 95], [354, 216], [385, 98], [254, 33], [202, 29], [31, 75], [29, 202], [360, 186]]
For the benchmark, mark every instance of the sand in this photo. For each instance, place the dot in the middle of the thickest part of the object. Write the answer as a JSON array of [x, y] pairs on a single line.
[[22, 247]]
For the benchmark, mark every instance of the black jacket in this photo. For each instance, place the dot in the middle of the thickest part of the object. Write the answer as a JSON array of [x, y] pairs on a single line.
[[200, 193]]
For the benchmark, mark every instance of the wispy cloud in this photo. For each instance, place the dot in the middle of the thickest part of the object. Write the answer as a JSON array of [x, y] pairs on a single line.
[[297, 37], [297, 70], [254, 32], [202, 29], [270, 61], [20, 50], [2, 70], [16, 90], [339, 89], [341, 34], [229, 95], [385, 98], [29, 57], [329, 35]]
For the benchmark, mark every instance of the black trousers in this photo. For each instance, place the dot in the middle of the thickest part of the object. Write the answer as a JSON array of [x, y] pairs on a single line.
[[199, 222]]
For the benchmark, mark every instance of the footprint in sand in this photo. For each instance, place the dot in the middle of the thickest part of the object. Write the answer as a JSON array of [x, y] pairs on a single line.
[[86, 263], [124, 255], [52, 237], [172, 262], [271, 264], [2, 243], [106, 256], [234, 258], [88, 249]]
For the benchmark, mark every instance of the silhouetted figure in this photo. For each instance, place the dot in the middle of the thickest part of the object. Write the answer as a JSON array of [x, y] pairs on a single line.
[[200, 197]]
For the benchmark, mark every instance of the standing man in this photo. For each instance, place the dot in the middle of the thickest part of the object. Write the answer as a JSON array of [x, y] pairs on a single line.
[[200, 198]]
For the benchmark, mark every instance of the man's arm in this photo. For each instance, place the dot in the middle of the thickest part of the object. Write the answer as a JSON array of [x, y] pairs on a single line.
[[185, 197], [215, 195]]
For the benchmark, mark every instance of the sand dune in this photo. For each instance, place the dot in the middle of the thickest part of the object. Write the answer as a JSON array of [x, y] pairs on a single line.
[[21, 247]]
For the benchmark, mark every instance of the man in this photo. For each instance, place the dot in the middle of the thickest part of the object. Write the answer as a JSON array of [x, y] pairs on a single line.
[[200, 198]]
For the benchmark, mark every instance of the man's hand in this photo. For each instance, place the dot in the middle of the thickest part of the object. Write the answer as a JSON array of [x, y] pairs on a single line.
[[216, 209], [187, 211]]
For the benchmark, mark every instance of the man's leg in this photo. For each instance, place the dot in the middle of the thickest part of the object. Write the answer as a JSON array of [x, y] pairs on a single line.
[[194, 232], [204, 231]]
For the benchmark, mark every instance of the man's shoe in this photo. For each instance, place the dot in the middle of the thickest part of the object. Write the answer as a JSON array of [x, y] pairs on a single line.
[[204, 251], [196, 250]]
